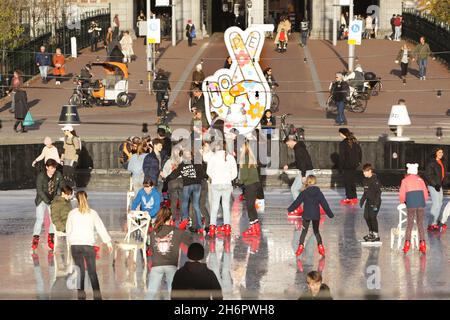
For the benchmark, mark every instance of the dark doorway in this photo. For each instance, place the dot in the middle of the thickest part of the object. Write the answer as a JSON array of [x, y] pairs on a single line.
[[360, 7], [221, 19]]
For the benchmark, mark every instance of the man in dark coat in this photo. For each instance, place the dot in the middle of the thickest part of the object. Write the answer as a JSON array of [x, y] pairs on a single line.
[[154, 162], [195, 280], [48, 185], [302, 162], [21, 109], [340, 91]]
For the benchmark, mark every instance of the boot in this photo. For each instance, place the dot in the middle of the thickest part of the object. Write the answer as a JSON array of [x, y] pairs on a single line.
[[321, 250], [254, 245], [212, 231], [227, 230], [407, 246], [251, 231], [369, 237], [257, 228], [183, 224], [300, 249], [35, 242], [423, 247], [51, 241]]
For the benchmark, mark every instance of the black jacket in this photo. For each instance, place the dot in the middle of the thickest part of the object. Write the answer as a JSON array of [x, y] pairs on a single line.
[[340, 90], [165, 244], [302, 158], [190, 173], [372, 192], [433, 173], [152, 167], [42, 192], [21, 108], [349, 157], [324, 294], [194, 281], [312, 198]]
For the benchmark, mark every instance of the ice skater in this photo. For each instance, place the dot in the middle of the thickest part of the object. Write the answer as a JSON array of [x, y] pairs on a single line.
[[371, 200], [414, 193], [312, 198]]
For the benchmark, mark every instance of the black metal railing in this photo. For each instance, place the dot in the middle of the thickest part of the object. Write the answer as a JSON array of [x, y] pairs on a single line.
[[23, 57], [437, 32]]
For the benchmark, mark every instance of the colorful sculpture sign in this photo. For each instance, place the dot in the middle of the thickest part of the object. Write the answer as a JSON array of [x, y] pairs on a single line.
[[241, 94]]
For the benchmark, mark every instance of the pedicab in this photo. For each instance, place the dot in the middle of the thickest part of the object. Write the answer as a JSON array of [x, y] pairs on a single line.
[[112, 89]]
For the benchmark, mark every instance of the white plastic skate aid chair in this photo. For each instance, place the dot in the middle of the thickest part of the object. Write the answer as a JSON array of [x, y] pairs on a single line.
[[130, 196], [399, 232]]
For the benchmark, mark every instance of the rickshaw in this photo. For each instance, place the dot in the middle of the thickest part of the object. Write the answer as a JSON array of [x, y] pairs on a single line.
[[112, 89]]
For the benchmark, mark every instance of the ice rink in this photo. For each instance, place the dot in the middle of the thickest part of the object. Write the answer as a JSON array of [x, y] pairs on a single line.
[[265, 269]]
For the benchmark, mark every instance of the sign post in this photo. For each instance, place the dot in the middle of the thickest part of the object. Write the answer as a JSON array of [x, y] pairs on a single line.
[[351, 47]]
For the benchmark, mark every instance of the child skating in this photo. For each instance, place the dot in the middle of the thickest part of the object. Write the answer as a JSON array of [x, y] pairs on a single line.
[[371, 200], [312, 198]]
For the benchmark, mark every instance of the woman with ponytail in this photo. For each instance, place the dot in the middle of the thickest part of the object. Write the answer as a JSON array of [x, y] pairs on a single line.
[[165, 242], [82, 223], [350, 157]]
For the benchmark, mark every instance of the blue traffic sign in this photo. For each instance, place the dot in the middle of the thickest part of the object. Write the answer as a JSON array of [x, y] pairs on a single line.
[[355, 28]]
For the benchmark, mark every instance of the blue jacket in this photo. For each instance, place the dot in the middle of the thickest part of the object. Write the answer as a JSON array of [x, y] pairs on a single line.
[[312, 198], [147, 202], [44, 59]]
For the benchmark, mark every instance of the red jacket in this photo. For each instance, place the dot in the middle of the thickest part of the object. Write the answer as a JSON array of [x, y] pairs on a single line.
[[397, 22], [413, 191]]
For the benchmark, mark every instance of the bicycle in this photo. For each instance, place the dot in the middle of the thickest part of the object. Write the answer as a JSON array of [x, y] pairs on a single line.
[[287, 130], [357, 103], [275, 103]]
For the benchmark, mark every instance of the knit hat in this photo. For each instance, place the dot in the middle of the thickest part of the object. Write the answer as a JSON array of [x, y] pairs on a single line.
[[195, 252], [412, 168]]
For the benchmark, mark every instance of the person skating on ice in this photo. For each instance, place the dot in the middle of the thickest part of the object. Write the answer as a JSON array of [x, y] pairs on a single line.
[[434, 177], [371, 200], [350, 156], [312, 198], [414, 193]]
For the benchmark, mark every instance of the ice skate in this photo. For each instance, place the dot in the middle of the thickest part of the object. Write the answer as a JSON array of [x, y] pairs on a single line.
[[300, 249]]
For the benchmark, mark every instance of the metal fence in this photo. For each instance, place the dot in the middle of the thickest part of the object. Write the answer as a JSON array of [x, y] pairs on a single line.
[[437, 33], [23, 57]]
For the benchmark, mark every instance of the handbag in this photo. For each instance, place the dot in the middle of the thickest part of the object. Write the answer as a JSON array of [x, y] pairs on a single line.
[[28, 121]]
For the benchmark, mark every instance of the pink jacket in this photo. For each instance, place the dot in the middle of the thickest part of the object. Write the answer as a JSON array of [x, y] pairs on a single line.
[[413, 191]]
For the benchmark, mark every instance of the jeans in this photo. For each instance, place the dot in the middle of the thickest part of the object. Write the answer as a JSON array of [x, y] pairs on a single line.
[[94, 44], [304, 37], [81, 255], [155, 278], [204, 203], [398, 33], [13, 101], [43, 70], [305, 228], [194, 190], [40, 212], [298, 183], [340, 112], [418, 214], [221, 191], [436, 204], [190, 41], [422, 67]]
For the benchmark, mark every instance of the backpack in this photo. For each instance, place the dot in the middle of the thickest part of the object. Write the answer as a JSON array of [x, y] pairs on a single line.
[[193, 32]]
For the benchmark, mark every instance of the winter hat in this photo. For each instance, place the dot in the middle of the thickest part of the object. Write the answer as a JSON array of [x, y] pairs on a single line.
[[412, 168], [195, 252]]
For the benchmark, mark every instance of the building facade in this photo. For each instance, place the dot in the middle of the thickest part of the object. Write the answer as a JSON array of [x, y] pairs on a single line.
[[210, 16]]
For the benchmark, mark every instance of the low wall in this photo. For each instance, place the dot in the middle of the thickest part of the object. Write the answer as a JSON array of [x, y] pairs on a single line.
[[99, 161]]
